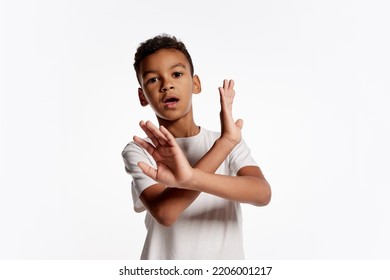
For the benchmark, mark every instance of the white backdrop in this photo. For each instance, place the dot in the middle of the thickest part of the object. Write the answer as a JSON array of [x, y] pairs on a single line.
[[312, 87]]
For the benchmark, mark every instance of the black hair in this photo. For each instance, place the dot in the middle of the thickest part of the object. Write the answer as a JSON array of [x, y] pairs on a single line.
[[163, 41]]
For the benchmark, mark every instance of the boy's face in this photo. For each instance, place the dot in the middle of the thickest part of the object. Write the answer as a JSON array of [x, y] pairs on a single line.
[[167, 84]]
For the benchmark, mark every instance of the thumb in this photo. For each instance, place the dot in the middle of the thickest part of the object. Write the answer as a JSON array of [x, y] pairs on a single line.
[[148, 170], [239, 123]]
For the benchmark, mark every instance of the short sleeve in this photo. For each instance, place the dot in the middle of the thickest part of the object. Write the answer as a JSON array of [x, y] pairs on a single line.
[[132, 154], [240, 157]]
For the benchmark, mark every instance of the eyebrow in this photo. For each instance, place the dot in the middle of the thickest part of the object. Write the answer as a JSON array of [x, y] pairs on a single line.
[[155, 71]]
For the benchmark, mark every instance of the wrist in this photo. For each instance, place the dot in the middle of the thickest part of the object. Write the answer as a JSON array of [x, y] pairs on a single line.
[[193, 182], [227, 143]]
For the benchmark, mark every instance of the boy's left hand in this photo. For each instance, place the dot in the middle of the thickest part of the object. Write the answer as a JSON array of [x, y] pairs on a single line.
[[230, 130], [173, 168]]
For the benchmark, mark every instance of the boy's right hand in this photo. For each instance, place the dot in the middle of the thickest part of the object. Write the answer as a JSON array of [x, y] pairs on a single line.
[[230, 130]]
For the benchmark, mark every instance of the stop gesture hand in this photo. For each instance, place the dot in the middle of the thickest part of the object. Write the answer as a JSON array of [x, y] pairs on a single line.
[[173, 169], [230, 130]]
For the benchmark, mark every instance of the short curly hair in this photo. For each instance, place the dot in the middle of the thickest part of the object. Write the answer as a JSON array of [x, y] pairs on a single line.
[[163, 41]]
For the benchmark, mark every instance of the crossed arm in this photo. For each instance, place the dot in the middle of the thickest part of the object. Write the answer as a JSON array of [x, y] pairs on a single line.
[[185, 182]]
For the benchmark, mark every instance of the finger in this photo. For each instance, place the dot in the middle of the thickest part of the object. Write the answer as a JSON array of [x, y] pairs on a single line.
[[228, 89], [149, 133], [221, 91], [225, 84], [148, 170], [231, 84], [144, 144], [239, 123], [170, 139], [156, 133], [231, 88]]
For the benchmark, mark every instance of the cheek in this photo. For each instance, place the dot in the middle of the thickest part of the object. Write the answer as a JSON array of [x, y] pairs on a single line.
[[151, 95], [188, 104], [154, 104]]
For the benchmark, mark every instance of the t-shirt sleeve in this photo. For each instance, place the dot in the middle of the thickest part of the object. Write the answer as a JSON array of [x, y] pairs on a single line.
[[240, 157], [132, 154]]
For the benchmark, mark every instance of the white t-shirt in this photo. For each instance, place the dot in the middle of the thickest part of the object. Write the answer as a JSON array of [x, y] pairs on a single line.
[[211, 227]]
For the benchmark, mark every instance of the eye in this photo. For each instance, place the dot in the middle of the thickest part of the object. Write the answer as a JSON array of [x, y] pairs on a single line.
[[152, 80], [177, 74]]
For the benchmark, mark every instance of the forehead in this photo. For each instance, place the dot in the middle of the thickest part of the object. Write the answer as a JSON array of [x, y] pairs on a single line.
[[162, 59]]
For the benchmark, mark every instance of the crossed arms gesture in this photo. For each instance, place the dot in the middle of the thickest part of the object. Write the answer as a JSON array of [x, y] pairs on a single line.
[[173, 168], [179, 183]]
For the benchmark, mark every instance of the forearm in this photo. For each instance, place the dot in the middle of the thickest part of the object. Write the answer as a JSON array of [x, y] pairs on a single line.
[[215, 156], [245, 189], [209, 163], [171, 202]]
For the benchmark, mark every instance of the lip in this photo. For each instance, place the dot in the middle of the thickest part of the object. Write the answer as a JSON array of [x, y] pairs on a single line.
[[170, 101]]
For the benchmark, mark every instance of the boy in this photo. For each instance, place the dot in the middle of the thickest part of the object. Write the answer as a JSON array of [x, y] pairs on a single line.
[[190, 180]]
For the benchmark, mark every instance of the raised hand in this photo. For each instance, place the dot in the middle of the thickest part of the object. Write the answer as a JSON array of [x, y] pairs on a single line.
[[173, 168], [230, 130]]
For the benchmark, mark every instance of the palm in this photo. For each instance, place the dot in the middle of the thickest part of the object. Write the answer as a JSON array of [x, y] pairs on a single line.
[[173, 168], [229, 129]]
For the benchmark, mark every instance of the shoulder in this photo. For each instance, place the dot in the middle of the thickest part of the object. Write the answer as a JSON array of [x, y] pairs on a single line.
[[241, 157], [133, 147], [132, 153], [130, 147]]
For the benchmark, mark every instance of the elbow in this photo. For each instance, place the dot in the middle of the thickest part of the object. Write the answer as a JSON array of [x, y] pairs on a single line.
[[166, 222], [264, 198], [165, 218], [267, 199]]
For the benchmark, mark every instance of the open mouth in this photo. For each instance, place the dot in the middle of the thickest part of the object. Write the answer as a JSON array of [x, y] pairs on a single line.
[[171, 101]]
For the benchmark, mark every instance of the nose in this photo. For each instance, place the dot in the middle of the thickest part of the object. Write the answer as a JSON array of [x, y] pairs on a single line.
[[167, 85]]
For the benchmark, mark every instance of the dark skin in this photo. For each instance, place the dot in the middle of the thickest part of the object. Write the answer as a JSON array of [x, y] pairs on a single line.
[[167, 86]]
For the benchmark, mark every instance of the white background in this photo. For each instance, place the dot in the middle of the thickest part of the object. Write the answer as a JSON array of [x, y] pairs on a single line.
[[312, 87]]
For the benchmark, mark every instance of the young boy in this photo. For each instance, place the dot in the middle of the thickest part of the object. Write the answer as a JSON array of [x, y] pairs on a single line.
[[190, 180]]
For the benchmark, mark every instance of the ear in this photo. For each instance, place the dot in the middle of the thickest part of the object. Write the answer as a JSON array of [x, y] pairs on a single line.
[[142, 98], [196, 86]]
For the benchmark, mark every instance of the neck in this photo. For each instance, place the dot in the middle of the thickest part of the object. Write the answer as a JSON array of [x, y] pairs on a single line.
[[181, 127]]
